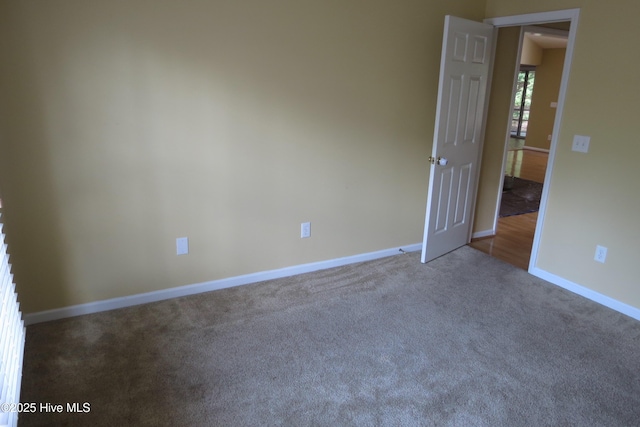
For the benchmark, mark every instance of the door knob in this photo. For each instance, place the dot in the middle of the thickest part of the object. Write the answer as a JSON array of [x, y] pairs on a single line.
[[442, 161]]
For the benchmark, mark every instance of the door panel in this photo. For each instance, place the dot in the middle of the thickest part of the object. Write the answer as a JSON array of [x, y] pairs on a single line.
[[464, 72], [471, 126], [446, 180], [455, 100], [464, 184]]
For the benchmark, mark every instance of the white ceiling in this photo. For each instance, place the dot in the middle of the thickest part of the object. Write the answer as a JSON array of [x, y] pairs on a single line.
[[547, 41]]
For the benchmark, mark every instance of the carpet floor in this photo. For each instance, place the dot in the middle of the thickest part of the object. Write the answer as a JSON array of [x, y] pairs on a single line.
[[464, 340]]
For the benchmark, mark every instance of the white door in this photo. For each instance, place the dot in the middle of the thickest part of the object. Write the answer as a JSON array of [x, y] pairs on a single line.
[[459, 126]]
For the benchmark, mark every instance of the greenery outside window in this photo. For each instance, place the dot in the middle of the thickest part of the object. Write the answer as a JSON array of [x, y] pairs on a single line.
[[522, 101]]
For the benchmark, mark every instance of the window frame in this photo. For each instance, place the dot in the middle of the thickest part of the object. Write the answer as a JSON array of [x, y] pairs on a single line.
[[521, 109]]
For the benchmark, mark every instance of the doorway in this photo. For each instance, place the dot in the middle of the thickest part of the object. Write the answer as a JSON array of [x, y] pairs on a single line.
[[532, 114], [523, 231]]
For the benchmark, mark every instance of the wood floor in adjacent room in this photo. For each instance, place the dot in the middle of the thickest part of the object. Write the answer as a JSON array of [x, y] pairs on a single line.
[[514, 235]]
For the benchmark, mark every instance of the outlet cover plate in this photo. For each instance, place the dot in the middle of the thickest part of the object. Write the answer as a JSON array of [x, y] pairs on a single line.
[[601, 254], [182, 246], [305, 230]]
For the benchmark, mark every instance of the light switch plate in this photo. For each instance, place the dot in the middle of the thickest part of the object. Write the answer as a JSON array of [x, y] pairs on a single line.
[[581, 143]]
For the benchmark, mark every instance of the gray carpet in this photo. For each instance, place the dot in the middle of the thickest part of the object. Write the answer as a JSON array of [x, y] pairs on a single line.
[[465, 340]]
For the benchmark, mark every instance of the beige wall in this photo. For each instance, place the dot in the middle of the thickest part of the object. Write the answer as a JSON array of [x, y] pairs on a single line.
[[593, 197], [127, 124], [531, 53], [545, 91]]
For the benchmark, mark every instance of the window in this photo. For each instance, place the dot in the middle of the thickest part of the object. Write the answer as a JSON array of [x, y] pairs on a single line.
[[522, 101]]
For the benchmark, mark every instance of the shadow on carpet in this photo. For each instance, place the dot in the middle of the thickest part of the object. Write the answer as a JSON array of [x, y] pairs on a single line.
[[520, 196]]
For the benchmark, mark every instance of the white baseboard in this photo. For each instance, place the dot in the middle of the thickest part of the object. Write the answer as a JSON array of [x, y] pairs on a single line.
[[181, 291], [587, 293], [543, 150], [483, 233]]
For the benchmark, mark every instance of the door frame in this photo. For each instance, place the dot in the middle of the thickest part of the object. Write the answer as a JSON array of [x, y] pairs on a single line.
[[567, 15]]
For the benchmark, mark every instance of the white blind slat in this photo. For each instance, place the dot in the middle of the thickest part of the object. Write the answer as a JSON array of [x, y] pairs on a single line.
[[12, 336]]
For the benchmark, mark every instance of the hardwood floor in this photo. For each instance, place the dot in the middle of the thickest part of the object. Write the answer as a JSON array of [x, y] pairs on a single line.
[[527, 164], [514, 235], [513, 240]]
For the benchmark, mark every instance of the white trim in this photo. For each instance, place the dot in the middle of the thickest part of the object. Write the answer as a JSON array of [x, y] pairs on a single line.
[[587, 293], [533, 18], [181, 291], [542, 150], [483, 233]]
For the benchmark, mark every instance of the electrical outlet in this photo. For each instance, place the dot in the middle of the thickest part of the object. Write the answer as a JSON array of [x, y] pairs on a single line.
[[182, 246], [581, 143], [305, 230], [601, 254]]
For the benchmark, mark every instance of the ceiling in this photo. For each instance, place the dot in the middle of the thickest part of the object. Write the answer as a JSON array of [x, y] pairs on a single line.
[[547, 41]]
